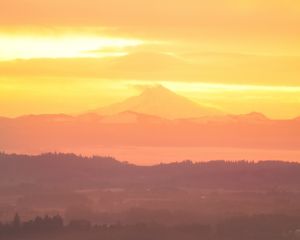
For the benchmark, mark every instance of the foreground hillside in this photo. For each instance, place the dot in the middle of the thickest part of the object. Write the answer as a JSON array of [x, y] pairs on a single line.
[[106, 191]]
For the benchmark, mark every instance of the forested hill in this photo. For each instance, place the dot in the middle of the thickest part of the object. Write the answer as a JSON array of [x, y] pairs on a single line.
[[75, 172]]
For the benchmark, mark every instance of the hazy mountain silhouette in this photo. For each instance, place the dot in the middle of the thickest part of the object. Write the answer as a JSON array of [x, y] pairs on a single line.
[[156, 118], [131, 117], [253, 116], [31, 134], [160, 101]]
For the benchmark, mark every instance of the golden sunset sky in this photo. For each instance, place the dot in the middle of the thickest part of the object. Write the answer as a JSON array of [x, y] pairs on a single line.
[[69, 56]]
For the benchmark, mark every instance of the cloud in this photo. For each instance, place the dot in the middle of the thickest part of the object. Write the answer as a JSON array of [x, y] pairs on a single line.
[[156, 66], [160, 18]]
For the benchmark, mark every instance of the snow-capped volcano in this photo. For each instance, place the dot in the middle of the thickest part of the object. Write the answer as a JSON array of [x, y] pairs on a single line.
[[160, 101]]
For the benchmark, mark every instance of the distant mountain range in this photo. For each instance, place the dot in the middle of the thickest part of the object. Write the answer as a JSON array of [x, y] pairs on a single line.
[[156, 118]]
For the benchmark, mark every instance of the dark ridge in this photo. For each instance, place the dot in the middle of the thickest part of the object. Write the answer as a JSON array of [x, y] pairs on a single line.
[[77, 172]]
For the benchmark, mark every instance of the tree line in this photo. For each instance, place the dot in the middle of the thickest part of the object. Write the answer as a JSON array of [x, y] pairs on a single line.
[[259, 227]]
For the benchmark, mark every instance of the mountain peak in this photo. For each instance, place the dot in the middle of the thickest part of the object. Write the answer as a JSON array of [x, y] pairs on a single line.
[[157, 87], [159, 101], [255, 116], [157, 90]]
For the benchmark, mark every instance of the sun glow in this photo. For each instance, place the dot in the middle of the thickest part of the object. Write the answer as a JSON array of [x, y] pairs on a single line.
[[28, 47], [207, 87]]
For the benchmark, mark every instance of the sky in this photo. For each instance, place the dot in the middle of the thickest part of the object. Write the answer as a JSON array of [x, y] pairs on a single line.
[[63, 56]]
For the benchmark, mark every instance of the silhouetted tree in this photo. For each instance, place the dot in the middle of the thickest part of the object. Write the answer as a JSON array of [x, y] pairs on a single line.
[[16, 224]]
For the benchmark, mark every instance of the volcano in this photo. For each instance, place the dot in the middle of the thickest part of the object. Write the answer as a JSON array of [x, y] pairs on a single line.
[[162, 102]]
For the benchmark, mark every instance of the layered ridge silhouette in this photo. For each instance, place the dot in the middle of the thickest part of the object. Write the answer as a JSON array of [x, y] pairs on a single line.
[[156, 118]]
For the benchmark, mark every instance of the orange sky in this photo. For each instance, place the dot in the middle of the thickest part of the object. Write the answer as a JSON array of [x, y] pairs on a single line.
[[71, 56]]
